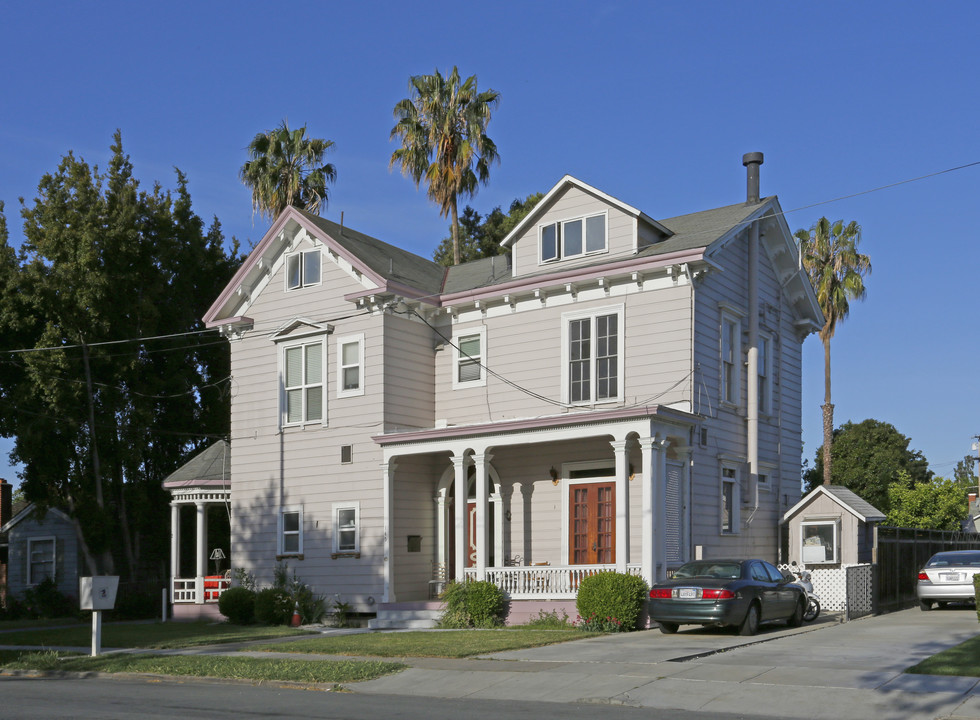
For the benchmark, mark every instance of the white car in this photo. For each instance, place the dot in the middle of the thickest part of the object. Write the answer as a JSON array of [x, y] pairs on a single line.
[[948, 577]]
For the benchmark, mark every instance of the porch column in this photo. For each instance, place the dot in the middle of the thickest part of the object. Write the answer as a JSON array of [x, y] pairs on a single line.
[[202, 546], [388, 491], [441, 500], [174, 545], [527, 490], [647, 518], [660, 506], [622, 506], [482, 510], [461, 491]]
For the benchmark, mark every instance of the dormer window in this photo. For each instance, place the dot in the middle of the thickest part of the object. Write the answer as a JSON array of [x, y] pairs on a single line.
[[573, 238], [302, 269]]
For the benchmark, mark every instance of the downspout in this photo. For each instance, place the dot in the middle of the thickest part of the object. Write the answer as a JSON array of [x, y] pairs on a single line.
[[752, 161]]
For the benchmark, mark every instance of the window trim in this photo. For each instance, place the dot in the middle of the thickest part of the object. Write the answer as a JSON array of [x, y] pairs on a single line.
[[734, 521], [340, 342], [458, 336], [284, 346], [559, 226], [833, 522], [727, 316], [765, 381], [281, 532], [354, 505], [301, 254], [54, 558], [566, 319]]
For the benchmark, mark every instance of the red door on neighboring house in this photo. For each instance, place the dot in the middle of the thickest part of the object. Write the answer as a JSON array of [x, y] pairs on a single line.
[[592, 526]]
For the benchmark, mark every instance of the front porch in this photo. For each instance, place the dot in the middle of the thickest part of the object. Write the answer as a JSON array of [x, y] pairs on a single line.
[[544, 583]]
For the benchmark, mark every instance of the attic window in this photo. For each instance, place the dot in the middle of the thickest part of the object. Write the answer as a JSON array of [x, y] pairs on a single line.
[[573, 238], [302, 269]]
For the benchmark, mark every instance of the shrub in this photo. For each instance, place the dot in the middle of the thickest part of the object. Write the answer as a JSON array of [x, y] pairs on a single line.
[[472, 604], [45, 600], [612, 599], [238, 605], [272, 606], [550, 621]]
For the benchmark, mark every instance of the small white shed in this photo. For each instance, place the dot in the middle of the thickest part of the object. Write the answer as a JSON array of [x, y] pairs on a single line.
[[831, 526]]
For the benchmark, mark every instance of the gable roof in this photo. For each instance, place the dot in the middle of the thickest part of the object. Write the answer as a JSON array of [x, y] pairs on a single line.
[[212, 466], [849, 500], [26, 511]]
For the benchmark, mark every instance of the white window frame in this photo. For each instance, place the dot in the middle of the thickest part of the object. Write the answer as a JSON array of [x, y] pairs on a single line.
[[281, 532], [730, 389], [566, 320], [300, 256], [31, 580], [765, 476], [835, 548], [341, 342], [765, 373], [337, 508], [306, 341], [458, 357], [729, 475], [561, 252]]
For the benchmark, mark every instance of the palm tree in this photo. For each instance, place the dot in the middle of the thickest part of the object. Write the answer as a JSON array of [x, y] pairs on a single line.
[[836, 270], [286, 168], [442, 126]]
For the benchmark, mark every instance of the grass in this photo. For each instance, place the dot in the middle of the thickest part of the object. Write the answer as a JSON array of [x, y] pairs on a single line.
[[962, 659], [239, 668], [448, 644], [46, 622], [147, 635]]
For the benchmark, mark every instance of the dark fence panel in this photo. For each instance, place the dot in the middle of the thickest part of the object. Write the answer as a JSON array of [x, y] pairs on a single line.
[[899, 555]]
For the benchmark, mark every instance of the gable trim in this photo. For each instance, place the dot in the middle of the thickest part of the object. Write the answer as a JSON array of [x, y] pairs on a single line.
[[26, 512]]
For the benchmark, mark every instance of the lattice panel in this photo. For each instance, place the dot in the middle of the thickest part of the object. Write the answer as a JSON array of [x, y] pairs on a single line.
[[842, 588]]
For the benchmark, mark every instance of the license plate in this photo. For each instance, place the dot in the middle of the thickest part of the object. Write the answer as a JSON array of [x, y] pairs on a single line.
[[949, 577], [687, 593]]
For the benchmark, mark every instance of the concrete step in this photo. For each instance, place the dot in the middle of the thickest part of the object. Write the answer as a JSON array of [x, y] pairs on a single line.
[[418, 617], [401, 624]]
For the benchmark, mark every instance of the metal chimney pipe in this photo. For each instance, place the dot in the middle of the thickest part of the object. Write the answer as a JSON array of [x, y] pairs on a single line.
[[752, 161]]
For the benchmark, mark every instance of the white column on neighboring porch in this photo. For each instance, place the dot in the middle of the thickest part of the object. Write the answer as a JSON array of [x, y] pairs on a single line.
[[461, 491], [388, 501], [174, 545], [202, 546], [622, 506], [482, 510], [660, 507], [441, 500], [648, 519]]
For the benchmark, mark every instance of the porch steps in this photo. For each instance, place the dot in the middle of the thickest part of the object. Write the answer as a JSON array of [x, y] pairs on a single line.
[[407, 616]]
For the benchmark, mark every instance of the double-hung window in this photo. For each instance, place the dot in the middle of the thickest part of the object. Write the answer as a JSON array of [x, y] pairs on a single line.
[[40, 559], [303, 387], [731, 351], [729, 500], [572, 238], [290, 531], [469, 353], [302, 269], [350, 365], [592, 370], [346, 536], [765, 375]]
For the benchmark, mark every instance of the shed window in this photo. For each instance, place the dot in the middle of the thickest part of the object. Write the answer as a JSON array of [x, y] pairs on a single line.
[[819, 542]]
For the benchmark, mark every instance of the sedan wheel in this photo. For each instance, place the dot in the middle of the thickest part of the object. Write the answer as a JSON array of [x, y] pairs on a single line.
[[668, 628], [796, 619], [750, 626]]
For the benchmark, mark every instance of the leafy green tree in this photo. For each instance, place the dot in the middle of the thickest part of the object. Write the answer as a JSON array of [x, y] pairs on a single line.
[[442, 127], [868, 457], [100, 417], [480, 237], [939, 504], [964, 473], [286, 168], [836, 270]]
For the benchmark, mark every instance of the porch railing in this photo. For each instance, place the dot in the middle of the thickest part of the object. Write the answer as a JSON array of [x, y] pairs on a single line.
[[185, 590], [543, 581]]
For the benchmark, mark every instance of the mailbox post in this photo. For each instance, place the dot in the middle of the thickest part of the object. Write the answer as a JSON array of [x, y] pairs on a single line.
[[97, 593]]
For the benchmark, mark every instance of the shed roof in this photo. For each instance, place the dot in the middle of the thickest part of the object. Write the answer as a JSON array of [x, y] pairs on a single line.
[[849, 500]]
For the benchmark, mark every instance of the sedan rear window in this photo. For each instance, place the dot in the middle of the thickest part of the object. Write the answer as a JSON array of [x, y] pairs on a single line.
[[949, 559], [708, 569]]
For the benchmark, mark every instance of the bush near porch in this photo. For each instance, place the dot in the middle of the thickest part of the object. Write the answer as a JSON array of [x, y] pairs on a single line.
[[611, 601], [472, 603]]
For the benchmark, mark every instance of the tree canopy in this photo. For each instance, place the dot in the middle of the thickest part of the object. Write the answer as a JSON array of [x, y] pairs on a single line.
[[867, 458], [938, 504], [442, 128], [286, 168], [480, 237], [109, 380]]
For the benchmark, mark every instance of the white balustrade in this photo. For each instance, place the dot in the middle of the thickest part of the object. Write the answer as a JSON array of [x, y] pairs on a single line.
[[543, 581]]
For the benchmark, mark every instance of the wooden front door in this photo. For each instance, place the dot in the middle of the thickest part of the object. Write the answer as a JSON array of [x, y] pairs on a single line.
[[592, 524]]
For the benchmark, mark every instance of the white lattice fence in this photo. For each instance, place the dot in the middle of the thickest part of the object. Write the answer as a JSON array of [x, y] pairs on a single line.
[[846, 589]]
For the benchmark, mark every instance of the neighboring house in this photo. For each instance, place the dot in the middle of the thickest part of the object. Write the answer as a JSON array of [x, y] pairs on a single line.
[[6, 512], [40, 548], [619, 392]]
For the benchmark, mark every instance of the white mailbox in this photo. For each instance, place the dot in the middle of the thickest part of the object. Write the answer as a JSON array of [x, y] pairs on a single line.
[[98, 592]]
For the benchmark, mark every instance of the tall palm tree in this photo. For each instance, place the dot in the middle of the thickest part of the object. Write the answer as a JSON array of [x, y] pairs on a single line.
[[286, 168], [836, 270], [442, 126]]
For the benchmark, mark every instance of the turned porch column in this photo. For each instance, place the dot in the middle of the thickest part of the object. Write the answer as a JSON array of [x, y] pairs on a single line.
[[461, 491], [202, 546], [622, 506]]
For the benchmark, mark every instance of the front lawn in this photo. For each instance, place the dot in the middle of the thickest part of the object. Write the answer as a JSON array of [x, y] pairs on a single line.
[[447, 643], [148, 635], [963, 659]]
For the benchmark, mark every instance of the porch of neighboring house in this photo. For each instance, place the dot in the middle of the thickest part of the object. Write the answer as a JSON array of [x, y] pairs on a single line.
[[202, 485], [548, 503]]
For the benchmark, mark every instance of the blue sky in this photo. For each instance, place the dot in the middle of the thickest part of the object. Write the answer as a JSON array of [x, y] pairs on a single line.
[[654, 103]]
